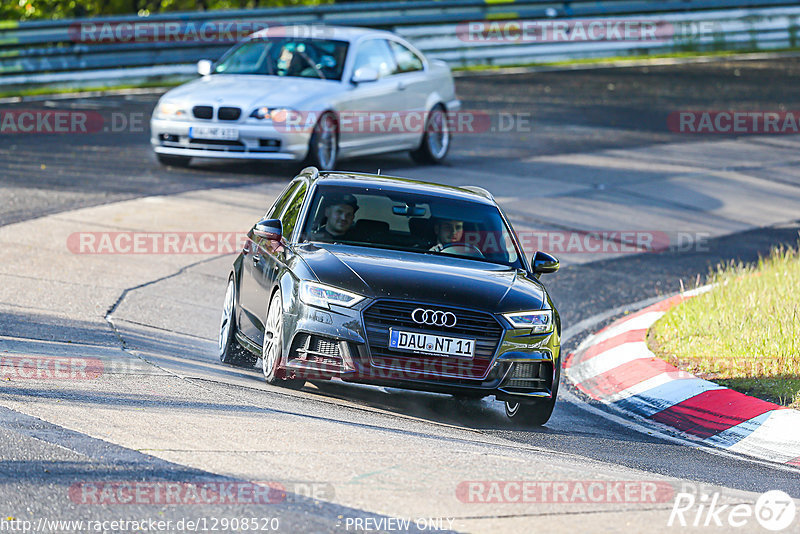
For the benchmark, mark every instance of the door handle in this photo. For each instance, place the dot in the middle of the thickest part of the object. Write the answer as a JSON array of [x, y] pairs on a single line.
[[256, 258], [401, 86]]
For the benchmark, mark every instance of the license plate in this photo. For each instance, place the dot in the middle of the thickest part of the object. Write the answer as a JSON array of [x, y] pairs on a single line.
[[457, 347], [213, 132]]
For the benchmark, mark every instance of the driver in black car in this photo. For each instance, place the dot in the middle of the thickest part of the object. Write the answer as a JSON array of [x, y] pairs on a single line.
[[447, 231], [340, 210]]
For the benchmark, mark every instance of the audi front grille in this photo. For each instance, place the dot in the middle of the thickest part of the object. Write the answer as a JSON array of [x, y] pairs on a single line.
[[477, 325]]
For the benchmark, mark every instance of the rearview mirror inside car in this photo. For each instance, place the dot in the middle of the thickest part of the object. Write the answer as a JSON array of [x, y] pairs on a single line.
[[543, 263], [271, 229], [409, 211]]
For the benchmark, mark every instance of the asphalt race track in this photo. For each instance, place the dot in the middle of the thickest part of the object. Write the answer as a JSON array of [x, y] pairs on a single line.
[[590, 151]]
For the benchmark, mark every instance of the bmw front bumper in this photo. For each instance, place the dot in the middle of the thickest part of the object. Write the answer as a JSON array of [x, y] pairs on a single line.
[[254, 141]]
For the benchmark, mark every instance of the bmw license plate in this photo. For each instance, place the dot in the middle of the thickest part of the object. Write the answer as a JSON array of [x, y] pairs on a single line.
[[213, 132], [457, 347]]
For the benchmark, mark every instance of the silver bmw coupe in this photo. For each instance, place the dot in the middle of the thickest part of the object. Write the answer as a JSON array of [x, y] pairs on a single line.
[[316, 93]]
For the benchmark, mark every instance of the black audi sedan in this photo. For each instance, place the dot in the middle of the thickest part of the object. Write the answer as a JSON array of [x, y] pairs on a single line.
[[394, 282]]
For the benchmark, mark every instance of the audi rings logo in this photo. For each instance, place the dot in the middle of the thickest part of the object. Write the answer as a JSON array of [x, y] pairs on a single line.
[[434, 317]]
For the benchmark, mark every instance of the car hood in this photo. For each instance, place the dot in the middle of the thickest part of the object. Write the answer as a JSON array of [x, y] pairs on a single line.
[[250, 91], [445, 280]]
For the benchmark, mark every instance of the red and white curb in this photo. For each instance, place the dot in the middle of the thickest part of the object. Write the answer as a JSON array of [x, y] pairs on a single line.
[[614, 366]]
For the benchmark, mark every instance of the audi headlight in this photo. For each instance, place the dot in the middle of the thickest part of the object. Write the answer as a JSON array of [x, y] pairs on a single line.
[[273, 114], [540, 322], [323, 296], [168, 110]]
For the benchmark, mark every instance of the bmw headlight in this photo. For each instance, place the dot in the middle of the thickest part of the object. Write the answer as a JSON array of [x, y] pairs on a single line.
[[323, 296], [169, 110], [540, 321], [273, 114]]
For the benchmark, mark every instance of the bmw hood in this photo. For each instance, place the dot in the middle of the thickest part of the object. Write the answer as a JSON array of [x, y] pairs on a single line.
[[445, 280], [250, 91]]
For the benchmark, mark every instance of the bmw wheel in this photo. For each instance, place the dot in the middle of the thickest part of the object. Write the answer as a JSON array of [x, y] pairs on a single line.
[[323, 148], [272, 348], [230, 351], [436, 140]]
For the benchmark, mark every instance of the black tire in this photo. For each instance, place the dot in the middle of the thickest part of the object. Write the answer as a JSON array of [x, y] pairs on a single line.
[[323, 148], [230, 351], [173, 161], [535, 413], [272, 347], [436, 139]]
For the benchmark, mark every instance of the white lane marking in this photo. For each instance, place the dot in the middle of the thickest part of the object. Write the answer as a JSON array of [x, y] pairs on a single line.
[[667, 395], [650, 429], [651, 383], [608, 360], [640, 322], [698, 290], [733, 435], [777, 439]]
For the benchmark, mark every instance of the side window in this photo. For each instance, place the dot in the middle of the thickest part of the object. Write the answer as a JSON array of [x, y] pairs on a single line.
[[407, 61], [375, 53], [289, 217], [277, 208]]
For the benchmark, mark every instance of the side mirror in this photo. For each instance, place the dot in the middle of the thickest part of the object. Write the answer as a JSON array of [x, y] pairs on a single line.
[[543, 263], [204, 67], [270, 229], [364, 75]]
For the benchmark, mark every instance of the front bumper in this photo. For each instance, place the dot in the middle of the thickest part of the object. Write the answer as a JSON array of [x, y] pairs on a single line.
[[255, 141], [335, 344]]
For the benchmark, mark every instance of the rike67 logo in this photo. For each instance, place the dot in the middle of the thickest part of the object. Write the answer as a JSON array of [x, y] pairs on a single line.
[[774, 511]]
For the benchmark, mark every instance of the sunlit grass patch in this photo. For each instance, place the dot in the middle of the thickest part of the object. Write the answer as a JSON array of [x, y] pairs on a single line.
[[743, 333]]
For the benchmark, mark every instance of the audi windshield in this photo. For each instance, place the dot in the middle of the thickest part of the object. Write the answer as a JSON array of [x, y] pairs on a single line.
[[411, 222]]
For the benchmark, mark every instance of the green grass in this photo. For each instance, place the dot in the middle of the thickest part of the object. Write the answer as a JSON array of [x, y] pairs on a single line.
[[622, 59], [38, 91], [49, 90], [743, 334]]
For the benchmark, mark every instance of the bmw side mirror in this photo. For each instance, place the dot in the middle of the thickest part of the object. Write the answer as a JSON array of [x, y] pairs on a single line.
[[270, 229], [204, 67], [543, 263], [364, 75]]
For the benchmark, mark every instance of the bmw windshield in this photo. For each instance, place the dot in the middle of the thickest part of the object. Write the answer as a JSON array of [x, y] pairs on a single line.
[[412, 222], [284, 56]]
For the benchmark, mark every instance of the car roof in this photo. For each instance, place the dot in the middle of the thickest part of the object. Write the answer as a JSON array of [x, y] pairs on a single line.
[[408, 185], [323, 31]]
